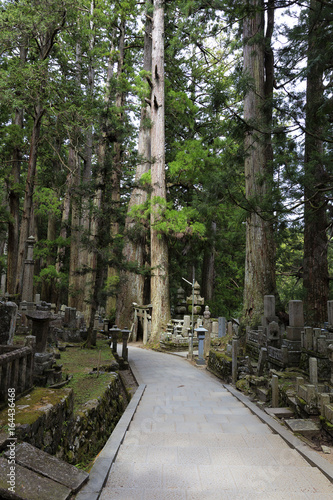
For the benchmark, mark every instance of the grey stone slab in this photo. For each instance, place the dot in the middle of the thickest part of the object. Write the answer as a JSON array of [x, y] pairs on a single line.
[[29, 485], [279, 412], [306, 427], [49, 466]]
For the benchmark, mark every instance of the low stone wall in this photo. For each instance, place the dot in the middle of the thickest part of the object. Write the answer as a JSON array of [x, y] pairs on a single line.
[[88, 432], [220, 364], [45, 419]]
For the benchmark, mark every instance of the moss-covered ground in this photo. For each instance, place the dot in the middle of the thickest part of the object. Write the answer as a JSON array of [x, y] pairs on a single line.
[[82, 366]]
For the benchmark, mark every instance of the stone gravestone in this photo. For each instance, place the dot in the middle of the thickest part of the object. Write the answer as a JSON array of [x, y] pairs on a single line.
[[313, 370], [222, 327], [40, 328], [8, 311], [262, 361], [296, 320]]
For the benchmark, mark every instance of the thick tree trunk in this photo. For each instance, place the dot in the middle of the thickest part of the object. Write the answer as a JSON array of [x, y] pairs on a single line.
[[113, 273], [159, 249], [27, 223], [132, 284], [315, 267], [260, 262]]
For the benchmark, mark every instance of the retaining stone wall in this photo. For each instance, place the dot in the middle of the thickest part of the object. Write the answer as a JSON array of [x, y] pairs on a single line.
[[220, 364], [76, 438]]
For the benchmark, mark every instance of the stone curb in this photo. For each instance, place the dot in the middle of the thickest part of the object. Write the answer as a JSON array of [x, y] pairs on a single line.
[[102, 465], [309, 455]]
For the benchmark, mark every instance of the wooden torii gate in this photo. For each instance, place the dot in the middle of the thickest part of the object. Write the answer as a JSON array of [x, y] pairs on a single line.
[[143, 314]]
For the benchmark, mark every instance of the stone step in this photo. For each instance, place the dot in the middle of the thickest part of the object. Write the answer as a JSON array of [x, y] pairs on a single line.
[[280, 412], [262, 394], [37, 470], [25, 484], [306, 427]]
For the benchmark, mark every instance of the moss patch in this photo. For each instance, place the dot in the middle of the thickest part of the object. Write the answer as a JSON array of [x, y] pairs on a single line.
[[33, 405], [78, 363]]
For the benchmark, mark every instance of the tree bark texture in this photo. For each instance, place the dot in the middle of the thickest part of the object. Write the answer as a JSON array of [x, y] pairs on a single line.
[[315, 266], [159, 249], [14, 208], [208, 268], [27, 223], [132, 284], [260, 249], [113, 273]]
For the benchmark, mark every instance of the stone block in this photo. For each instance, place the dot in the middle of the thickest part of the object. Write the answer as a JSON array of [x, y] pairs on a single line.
[[308, 338], [294, 333], [296, 316], [40, 368], [328, 412], [280, 412], [313, 370], [306, 427], [30, 485], [323, 399], [50, 467], [269, 306]]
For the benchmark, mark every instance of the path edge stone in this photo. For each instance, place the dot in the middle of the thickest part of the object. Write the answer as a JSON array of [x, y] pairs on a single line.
[[104, 460], [293, 441]]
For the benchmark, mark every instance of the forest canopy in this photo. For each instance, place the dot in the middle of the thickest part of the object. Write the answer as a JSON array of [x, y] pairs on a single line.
[[143, 141]]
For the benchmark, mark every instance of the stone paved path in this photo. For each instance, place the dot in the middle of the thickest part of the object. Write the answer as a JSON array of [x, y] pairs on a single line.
[[191, 439]]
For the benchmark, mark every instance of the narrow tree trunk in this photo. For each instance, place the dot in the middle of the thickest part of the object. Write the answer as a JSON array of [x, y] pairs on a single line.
[[27, 223], [14, 208], [259, 263], [83, 305], [159, 249], [73, 282], [208, 268], [132, 284], [48, 292], [74, 163], [315, 272]]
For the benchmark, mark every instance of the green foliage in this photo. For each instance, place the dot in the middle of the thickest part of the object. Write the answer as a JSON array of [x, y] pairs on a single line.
[[48, 202], [52, 277]]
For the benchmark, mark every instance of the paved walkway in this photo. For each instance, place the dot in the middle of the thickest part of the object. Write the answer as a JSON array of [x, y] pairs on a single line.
[[190, 438]]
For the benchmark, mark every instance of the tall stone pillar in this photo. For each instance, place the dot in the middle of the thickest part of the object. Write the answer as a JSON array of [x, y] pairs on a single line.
[[28, 274]]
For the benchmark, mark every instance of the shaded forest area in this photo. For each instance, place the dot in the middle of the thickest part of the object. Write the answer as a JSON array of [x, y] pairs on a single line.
[[142, 140]]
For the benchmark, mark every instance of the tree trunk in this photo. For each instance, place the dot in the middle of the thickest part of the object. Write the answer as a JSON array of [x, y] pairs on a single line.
[[113, 274], [159, 249], [48, 292], [73, 282], [260, 262], [208, 267], [132, 284], [83, 304], [74, 163], [315, 272], [27, 223], [14, 208]]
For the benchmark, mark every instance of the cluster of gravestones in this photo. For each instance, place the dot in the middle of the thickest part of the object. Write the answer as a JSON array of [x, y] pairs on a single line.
[[42, 327], [282, 347], [275, 346]]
